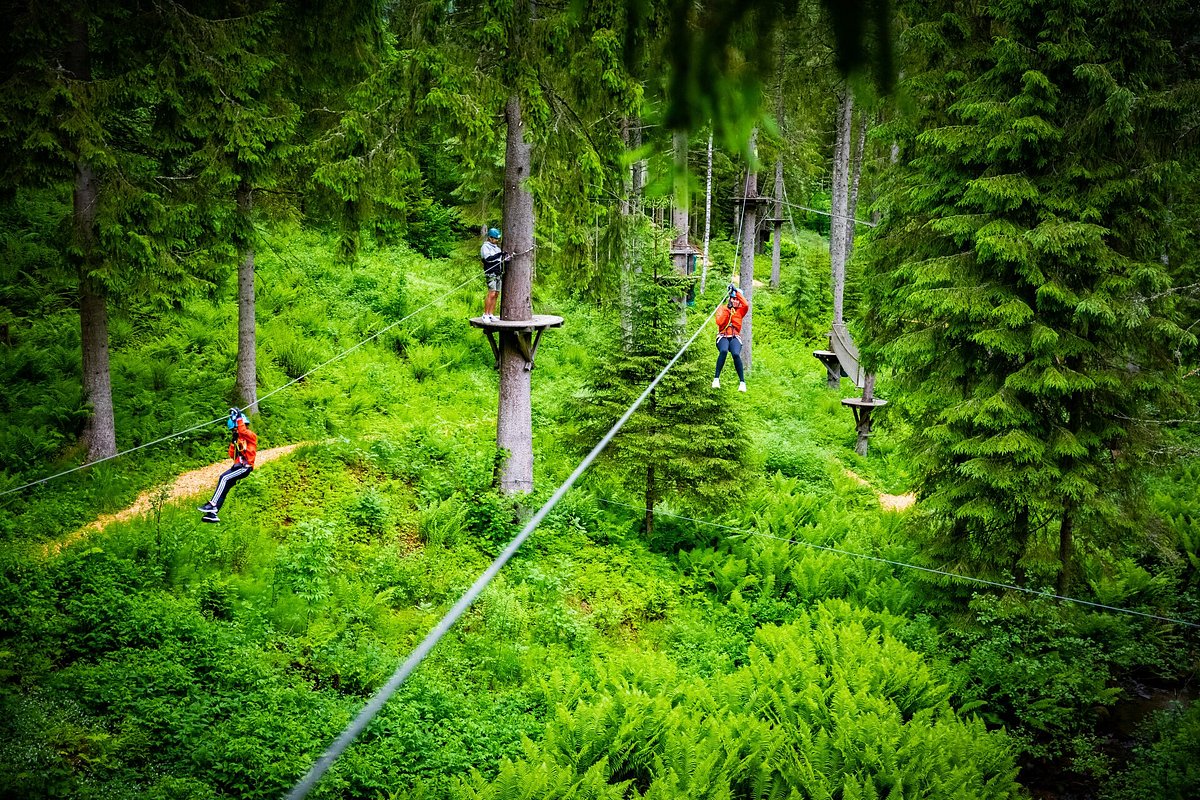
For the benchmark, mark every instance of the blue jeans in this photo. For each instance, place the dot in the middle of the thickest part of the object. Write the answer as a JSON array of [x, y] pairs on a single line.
[[733, 346]]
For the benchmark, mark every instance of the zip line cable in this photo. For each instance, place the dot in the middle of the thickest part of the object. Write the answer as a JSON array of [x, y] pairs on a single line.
[[376, 703], [177, 434], [905, 565], [370, 338], [828, 214]]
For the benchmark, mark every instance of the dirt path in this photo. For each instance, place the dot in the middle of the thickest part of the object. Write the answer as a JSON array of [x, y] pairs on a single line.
[[188, 485], [889, 502]]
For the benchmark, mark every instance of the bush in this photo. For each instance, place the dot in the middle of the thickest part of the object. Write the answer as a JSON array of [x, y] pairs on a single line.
[[1165, 764]]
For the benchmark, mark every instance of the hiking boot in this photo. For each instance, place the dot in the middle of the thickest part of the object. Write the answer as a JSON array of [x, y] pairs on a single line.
[[211, 516], [716, 383]]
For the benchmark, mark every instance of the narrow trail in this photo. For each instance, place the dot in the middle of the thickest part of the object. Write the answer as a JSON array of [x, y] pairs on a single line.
[[188, 485], [889, 502]]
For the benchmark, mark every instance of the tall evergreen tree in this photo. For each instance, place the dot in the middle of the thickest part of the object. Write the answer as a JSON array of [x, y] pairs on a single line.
[[79, 100], [227, 99], [684, 440], [1019, 290]]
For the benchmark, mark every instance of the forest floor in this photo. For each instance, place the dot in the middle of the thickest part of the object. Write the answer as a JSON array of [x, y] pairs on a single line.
[[189, 484], [889, 502]]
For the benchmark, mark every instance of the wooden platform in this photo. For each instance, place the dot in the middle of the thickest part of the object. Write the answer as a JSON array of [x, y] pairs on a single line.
[[859, 403], [523, 333], [538, 321]]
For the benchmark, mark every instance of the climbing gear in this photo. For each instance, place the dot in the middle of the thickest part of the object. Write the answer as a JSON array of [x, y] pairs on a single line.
[[493, 233]]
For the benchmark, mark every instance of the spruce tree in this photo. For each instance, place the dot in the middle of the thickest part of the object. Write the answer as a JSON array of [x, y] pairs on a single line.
[[1018, 288], [685, 439], [81, 102]]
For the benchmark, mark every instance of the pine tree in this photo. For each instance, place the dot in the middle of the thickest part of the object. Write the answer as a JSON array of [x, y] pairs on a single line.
[[81, 104], [1018, 286], [685, 439]]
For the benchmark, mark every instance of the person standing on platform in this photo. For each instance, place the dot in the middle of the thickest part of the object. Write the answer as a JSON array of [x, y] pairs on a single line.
[[493, 259]]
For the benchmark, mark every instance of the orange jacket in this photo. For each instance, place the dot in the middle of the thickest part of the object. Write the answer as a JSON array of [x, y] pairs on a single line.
[[244, 446], [730, 314]]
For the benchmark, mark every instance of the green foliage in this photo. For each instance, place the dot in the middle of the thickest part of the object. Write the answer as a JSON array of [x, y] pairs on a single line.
[[1018, 286], [787, 721], [1165, 759], [681, 441]]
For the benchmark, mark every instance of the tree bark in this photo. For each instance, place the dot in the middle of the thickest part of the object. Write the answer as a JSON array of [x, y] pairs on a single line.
[[777, 233], [840, 200], [1066, 547], [707, 214], [247, 368], [648, 517], [749, 240], [514, 425], [679, 206], [626, 276], [855, 174], [100, 433]]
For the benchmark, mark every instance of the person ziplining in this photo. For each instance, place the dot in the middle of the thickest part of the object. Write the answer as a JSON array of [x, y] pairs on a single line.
[[493, 259], [242, 449], [729, 318]]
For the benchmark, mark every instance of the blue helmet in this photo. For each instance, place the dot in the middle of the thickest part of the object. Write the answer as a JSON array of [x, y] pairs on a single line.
[[493, 233], [234, 416]]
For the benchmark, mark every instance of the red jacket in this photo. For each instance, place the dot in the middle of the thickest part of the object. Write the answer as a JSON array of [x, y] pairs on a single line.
[[729, 320], [244, 446]]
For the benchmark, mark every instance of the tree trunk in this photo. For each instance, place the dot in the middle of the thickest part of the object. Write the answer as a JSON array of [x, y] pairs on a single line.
[[679, 206], [855, 174], [100, 433], [749, 240], [840, 200], [707, 213], [626, 278], [247, 370], [777, 234], [514, 425], [651, 492], [1066, 547], [862, 445]]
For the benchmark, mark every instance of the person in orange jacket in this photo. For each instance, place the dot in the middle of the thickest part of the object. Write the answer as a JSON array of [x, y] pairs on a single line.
[[242, 450], [729, 318]]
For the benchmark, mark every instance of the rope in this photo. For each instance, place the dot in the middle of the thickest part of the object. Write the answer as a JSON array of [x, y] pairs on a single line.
[[177, 434], [905, 565], [376, 703]]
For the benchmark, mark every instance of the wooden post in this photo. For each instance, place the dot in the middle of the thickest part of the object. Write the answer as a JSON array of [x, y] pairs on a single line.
[[777, 222], [864, 421], [679, 207], [749, 240], [840, 200], [707, 213], [514, 424]]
